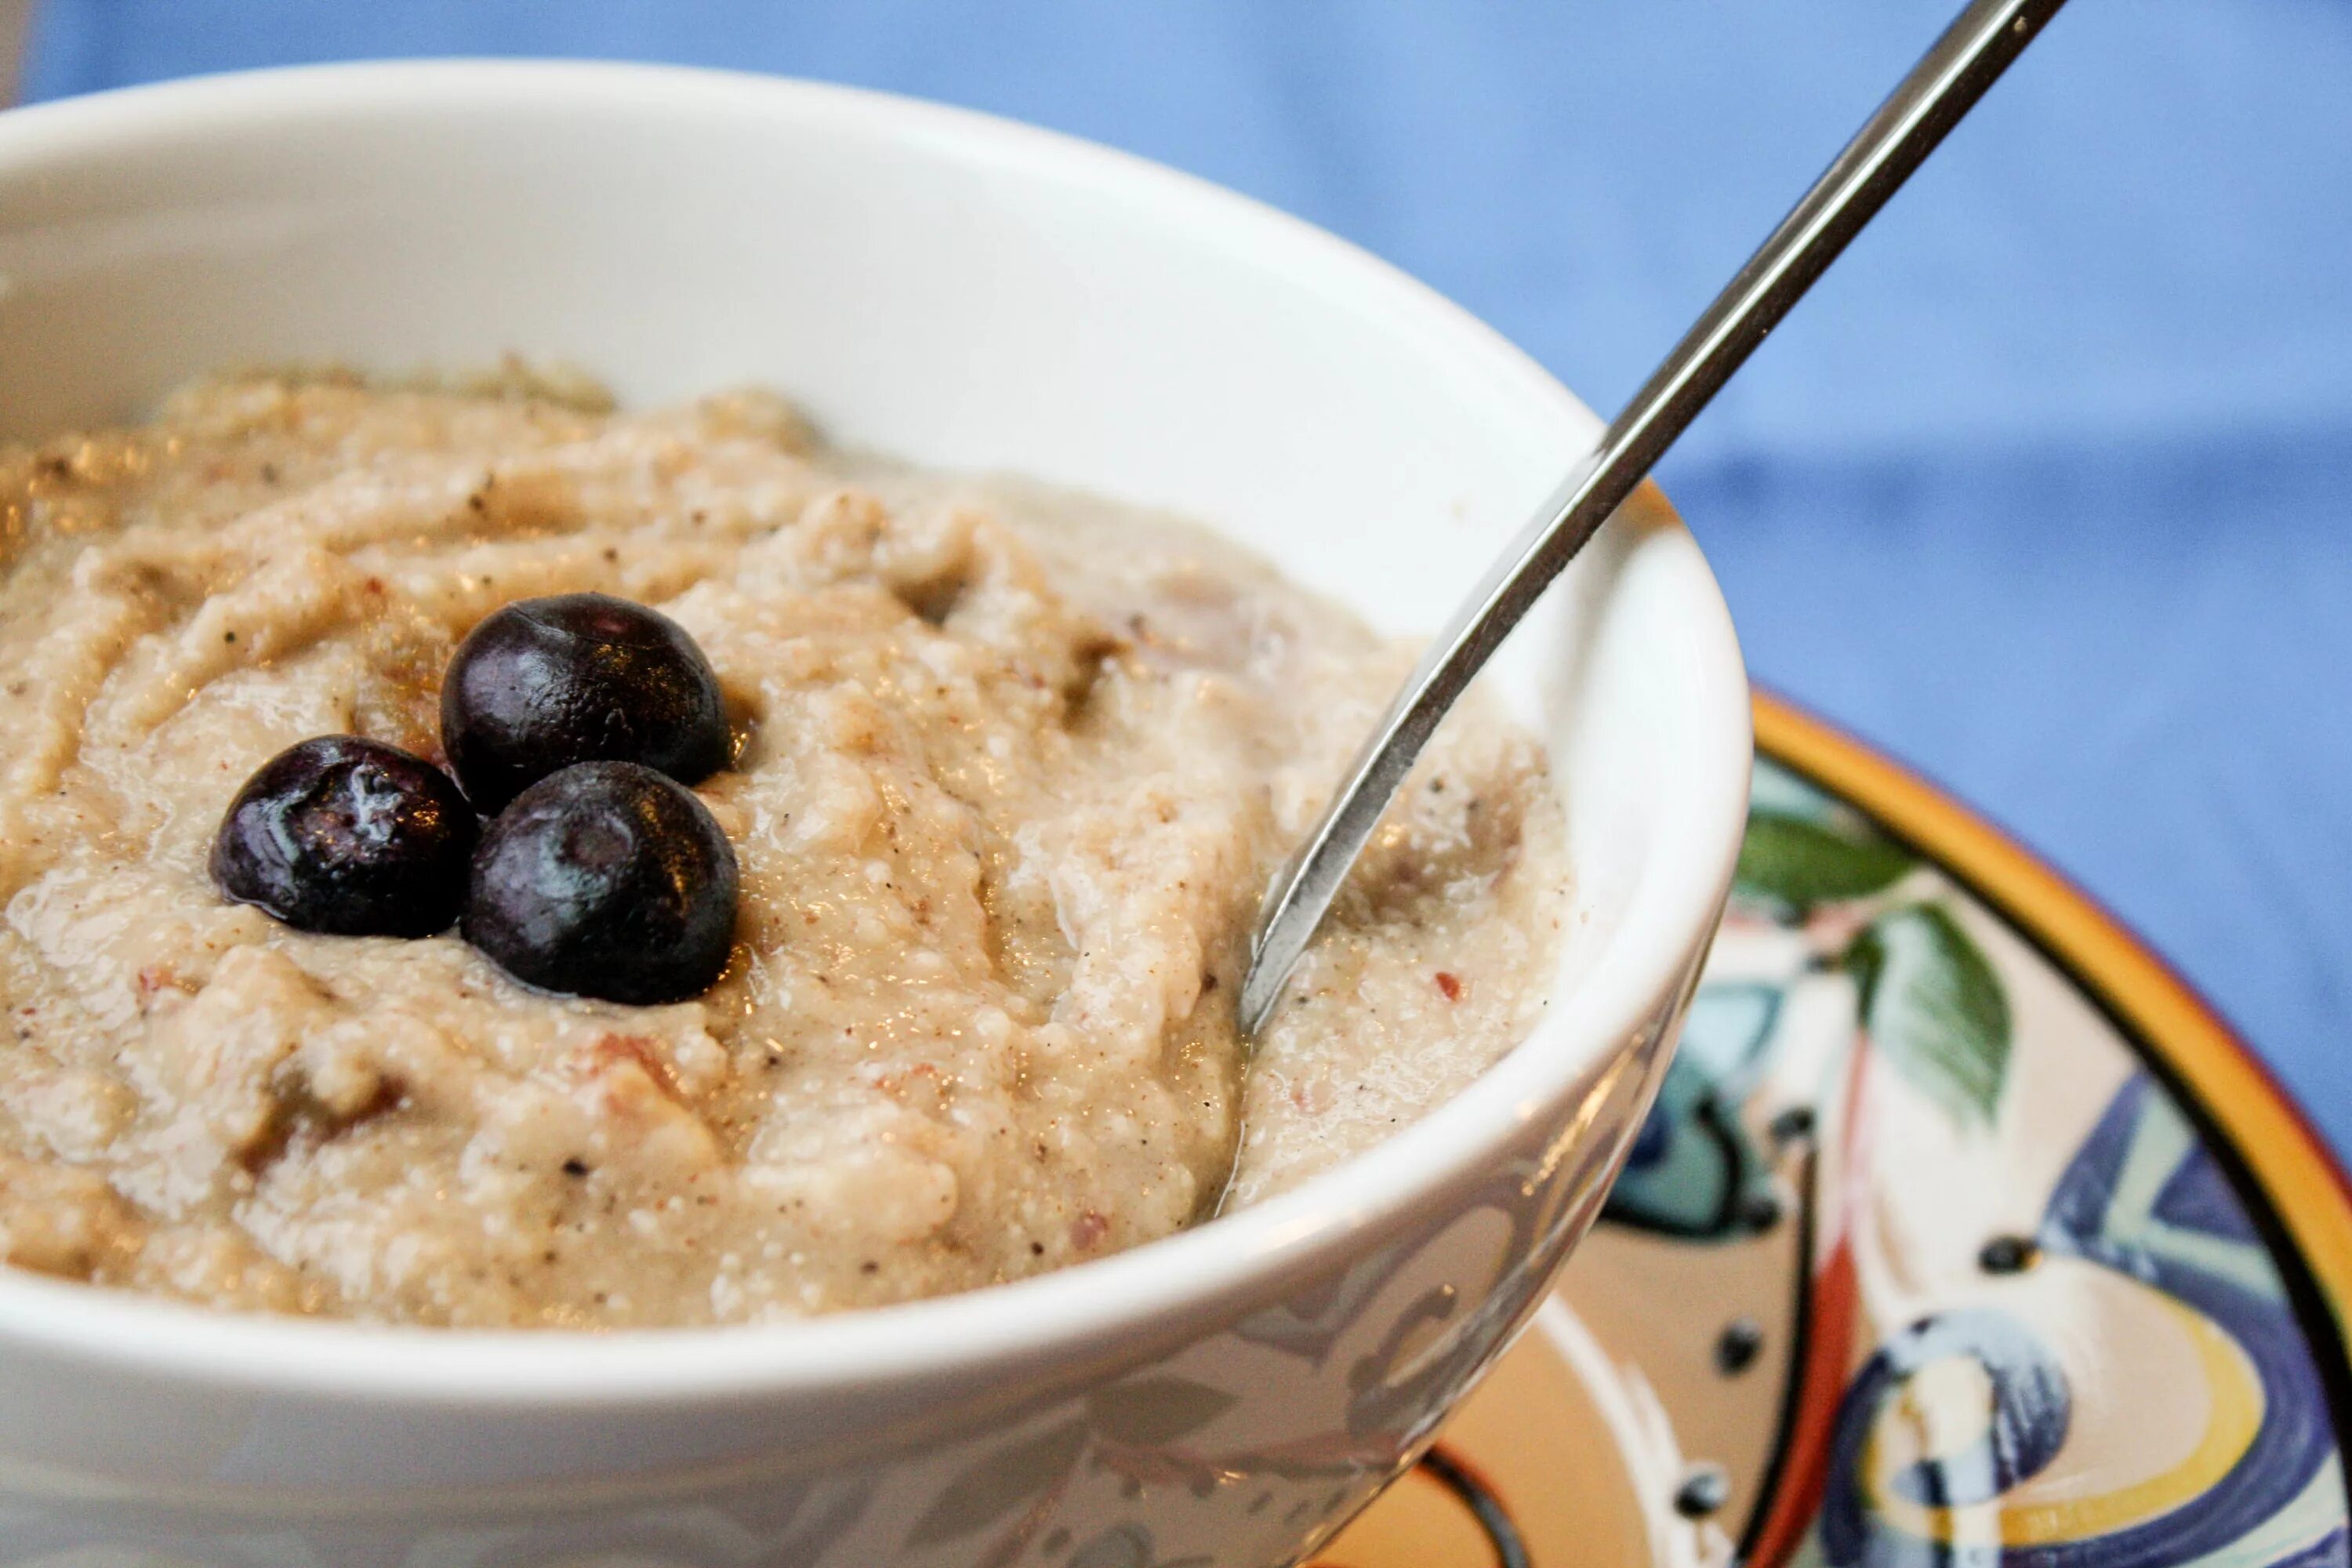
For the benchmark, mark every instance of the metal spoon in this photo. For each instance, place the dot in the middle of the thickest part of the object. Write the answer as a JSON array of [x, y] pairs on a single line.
[[1944, 86]]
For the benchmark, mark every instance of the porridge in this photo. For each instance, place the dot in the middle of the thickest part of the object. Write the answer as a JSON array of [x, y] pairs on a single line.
[[1001, 774]]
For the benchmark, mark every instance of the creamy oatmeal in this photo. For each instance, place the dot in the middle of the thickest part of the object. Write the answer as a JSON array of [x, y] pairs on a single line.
[[1016, 766]]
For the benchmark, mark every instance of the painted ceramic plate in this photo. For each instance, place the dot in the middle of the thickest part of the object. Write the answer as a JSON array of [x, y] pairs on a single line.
[[1962, 1234]]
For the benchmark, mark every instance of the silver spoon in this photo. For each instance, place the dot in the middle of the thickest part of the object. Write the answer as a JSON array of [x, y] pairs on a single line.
[[1944, 86]]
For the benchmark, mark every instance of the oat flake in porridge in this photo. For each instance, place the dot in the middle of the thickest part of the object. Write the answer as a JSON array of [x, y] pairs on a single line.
[[1017, 764]]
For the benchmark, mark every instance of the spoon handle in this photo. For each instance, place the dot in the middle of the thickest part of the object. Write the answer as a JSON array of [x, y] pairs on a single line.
[[1944, 85]]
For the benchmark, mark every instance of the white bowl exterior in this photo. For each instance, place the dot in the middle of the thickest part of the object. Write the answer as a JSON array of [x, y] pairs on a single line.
[[973, 294]]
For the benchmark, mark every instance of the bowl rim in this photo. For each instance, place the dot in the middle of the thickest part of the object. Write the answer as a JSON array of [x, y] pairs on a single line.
[[1080, 1305]]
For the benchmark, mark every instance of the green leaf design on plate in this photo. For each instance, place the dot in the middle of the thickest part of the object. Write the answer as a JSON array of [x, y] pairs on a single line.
[[1934, 1007], [1156, 1409], [997, 1483], [1801, 861]]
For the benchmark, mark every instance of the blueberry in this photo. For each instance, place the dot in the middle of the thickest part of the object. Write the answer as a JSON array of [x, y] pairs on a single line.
[[605, 879], [350, 837], [578, 677]]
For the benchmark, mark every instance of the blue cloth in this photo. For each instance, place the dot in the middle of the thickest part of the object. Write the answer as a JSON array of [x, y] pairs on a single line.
[[2045, 490]]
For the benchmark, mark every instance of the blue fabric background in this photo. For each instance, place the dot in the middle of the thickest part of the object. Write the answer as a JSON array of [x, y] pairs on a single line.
[[2045, 490]]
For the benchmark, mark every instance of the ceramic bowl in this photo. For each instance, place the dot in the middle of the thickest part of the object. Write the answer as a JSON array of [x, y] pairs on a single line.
[[968, 293]]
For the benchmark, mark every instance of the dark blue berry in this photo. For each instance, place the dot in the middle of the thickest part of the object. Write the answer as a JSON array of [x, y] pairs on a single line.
[[350, 837], [579, 678], [606, 879]]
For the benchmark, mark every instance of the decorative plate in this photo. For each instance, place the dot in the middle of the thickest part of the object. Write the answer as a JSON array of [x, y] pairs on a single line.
[[1962, 1235]]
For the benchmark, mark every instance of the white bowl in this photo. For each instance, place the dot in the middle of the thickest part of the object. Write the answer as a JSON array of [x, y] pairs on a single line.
[[969, 293]]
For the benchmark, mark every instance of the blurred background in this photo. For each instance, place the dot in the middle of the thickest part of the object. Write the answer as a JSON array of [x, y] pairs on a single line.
[[2045, 490]]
